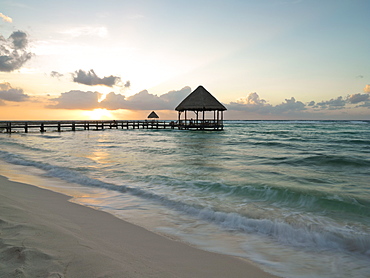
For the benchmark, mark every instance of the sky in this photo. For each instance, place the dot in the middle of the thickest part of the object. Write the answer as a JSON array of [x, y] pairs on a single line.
[[118, 59]]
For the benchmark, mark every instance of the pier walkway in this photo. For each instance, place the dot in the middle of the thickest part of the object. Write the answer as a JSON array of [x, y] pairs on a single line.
[[59, 126]]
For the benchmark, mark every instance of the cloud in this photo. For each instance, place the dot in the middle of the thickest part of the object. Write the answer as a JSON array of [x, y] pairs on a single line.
[[145, 101], [90, 78], [356, 98], [367, 89], [252, 103], [333, 104], [127, 84], [5, 18], [11, 94], [13, 53], [365, 104], [141, 101], [56, 74], [252, 99], [311, 103], [76, 100], [290, 105], [114, 101]]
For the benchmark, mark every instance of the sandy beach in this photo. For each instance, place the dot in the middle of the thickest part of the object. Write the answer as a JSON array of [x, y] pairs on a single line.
[[42, 234]]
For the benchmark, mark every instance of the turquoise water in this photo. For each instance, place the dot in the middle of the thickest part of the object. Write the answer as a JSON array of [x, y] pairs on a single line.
[[292, 196]]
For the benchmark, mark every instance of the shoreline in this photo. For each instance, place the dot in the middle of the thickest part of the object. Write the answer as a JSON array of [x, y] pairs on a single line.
[[43, 234]]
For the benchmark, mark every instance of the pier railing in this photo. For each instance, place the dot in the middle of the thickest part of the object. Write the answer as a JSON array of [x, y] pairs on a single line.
[[201, 124], [59, 126], [43, 126]]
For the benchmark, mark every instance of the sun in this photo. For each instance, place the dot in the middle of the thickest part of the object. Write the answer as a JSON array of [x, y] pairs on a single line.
[[99, 114]]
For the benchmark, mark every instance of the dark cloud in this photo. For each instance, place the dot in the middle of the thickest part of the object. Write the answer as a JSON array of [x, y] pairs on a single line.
[[290, 105], [13, 51], [365, 104], [356, 98], [56, 74], [19, 39], [311, 103], [127, 84], [12, 94], [90, 78], [76, 100], [253, 103], [333, 104]]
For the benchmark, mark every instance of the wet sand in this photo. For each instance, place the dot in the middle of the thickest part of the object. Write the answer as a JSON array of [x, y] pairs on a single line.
[[42, 234]]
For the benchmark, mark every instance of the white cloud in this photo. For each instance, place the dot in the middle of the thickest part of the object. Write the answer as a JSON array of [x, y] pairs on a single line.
[[252, 99], [140, 101], [367, 89], [5, 18], [76, 100], [145, 101]]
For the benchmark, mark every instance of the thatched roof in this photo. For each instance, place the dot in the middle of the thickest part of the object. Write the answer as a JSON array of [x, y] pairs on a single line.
[[200, 100], [153, 115]]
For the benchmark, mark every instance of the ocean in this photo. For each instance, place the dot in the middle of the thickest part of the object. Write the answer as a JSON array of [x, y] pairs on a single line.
[[291, 196]]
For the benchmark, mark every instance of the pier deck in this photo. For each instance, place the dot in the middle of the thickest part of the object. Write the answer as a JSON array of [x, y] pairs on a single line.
[[43, 126], [59, 126]]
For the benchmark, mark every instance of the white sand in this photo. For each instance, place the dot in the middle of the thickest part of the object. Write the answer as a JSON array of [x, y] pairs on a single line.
[[44, 235]]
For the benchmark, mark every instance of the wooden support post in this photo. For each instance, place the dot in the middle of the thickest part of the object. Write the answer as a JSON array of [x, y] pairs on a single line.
[[26, 127], [73, 126], [42, 129], [9, 127], [59, 127]]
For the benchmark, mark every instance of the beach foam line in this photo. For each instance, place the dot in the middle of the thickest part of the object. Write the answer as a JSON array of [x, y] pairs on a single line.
[[44, 235], [300, 236]]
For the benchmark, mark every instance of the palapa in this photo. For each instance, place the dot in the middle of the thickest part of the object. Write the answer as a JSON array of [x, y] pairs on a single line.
[[153, 115], [200, 100]]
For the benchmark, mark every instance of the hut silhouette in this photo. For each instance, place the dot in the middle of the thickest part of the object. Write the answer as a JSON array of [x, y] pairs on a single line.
[[153, 115], [200, 101]]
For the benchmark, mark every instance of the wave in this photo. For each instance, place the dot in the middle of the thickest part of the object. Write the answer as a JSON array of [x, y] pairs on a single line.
[[300, 235], [319, 160]]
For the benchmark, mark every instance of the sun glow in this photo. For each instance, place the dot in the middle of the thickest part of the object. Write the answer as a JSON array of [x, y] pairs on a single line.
[[99, 114]]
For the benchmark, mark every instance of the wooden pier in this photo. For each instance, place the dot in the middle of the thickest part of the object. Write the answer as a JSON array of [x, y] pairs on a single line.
[[59, 126]]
